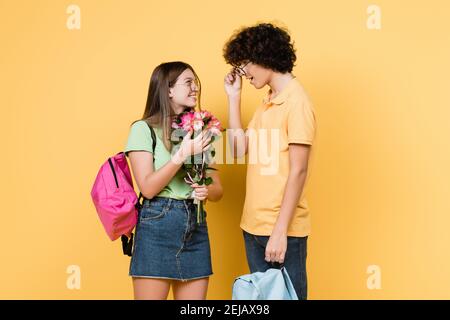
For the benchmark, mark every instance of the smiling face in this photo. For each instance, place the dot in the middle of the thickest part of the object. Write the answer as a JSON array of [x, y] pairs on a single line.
[[258, 75], [184, 92]]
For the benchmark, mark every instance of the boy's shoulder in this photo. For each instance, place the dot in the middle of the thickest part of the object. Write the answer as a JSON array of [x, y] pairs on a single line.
[[297, 91], [298, 95]]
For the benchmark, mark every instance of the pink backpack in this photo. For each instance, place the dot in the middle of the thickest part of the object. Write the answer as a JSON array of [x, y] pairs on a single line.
[[115, 199]]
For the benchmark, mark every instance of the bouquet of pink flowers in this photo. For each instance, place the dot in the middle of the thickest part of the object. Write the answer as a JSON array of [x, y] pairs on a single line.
[[195, 167]]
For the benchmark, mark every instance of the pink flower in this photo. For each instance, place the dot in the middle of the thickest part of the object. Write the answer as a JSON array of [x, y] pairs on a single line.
[[195, 120], [198, 115], [214, 126], [205, 114], [187, 121], [197, 173], [175, 125], [198, 122]]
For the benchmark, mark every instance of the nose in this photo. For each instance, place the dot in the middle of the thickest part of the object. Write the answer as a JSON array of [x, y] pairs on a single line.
[[194, 87]]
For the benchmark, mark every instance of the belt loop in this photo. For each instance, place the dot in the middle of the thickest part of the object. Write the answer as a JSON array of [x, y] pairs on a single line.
[[169, 202], [186, 206]]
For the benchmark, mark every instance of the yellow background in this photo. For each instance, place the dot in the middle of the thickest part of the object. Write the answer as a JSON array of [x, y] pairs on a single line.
[[378, 188]]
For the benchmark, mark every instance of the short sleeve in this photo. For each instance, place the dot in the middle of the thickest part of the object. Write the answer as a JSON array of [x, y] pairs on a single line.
[[139, 138], [301, 122]]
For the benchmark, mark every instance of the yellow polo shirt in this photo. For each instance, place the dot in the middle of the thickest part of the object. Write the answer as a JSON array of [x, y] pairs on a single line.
[[287, 118]]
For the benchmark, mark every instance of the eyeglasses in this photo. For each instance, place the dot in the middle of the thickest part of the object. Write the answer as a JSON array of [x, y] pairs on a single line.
[[189, 84], [240, 70]]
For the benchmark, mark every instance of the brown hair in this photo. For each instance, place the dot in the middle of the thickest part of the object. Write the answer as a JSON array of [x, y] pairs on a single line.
[[158, 112]]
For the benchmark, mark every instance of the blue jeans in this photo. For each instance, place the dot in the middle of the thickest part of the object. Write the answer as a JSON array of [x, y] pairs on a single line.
[[169, 244], [294, 260]]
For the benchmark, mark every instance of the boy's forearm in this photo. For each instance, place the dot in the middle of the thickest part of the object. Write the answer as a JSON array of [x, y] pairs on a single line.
[[292, 193], [234, 119], [235, 134], [234, 112]]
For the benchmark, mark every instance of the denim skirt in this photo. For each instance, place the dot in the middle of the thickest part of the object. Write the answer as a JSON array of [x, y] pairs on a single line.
[[169, 244]]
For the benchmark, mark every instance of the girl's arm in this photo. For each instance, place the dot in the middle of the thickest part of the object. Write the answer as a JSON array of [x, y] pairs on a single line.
[[151, 182], [212, 192], [215, 190]]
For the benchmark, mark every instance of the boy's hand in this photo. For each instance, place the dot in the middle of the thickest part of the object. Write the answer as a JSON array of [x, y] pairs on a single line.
[[233, 84], [276, 248]]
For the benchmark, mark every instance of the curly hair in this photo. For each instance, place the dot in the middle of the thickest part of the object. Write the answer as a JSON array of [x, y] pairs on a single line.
[[264, 44]]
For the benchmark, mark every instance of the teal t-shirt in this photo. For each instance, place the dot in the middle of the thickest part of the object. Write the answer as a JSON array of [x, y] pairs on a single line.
[[140, 139]]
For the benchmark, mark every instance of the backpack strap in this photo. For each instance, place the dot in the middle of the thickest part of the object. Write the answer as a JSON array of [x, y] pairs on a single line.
[[127, 244], [152, 132]]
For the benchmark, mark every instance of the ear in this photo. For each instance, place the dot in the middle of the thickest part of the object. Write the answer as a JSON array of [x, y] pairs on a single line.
[[170, 93]]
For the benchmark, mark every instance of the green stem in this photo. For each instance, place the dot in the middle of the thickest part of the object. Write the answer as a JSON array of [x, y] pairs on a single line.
[[200, 212]]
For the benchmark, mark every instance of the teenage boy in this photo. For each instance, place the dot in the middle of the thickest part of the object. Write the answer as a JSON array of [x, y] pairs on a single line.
[[275, 219]]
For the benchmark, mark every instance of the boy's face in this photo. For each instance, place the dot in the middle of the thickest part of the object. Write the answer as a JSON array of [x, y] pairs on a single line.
[[258, 75]]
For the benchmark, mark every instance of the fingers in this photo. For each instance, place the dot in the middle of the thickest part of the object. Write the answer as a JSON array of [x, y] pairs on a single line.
[[203, 139], [272, 255], [279, 257], [206, 148], [199, 137], [267, 257], [188, 136], [201, 191], [205, 134], [230, 77], [198, 186], [206, 142], [199, 144], [200, 196]]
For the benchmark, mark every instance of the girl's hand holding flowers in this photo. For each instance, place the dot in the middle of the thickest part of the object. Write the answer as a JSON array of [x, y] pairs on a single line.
[[196, 153], [200, 191], [190, 147]]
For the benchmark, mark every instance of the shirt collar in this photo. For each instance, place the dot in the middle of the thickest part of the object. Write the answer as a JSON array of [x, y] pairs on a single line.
[[282, 96]]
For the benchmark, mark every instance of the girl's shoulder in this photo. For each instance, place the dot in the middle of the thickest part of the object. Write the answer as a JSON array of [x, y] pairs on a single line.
[[139, 124], [141, 129], [142, 125]]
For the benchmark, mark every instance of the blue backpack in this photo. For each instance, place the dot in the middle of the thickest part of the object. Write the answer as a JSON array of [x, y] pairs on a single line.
[[274, 284]]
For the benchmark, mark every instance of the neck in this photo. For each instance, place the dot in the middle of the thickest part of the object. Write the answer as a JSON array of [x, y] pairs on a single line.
[[278, 82], [178, 109]]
